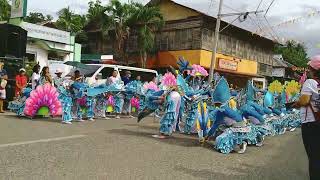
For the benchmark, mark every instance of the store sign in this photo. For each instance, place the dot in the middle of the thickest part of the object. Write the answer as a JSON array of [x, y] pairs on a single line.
[[45, 33], [107, 57], [18, 8], [228, 65], [278, 72], [299, 69]]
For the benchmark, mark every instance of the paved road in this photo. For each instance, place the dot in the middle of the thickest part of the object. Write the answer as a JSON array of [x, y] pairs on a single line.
[[122, 149]]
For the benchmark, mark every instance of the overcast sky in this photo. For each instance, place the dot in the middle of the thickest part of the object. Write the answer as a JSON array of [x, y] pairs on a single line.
[[305, 31]]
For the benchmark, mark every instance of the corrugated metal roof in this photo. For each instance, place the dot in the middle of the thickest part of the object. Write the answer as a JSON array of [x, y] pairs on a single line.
[[245, 25]]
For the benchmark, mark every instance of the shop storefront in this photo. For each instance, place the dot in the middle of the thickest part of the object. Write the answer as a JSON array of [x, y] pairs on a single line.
[[237, 71], [45, 45]]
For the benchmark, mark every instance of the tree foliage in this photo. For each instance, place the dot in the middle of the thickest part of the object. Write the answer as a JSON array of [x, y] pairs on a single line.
[[69, 21], [148, 19], [35, 17], [116, 17], [120, 16], [294, 53], [96, 15], [5, 10]]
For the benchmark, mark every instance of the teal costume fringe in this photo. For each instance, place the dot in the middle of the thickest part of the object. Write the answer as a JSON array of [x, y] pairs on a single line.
[[191, 117], [66, 101], [167, 121]]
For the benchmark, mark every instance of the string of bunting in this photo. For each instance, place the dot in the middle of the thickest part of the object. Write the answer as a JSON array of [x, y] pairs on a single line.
[[261, 32]]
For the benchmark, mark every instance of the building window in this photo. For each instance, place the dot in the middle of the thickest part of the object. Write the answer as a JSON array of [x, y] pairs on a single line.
[[263, 68], [52, 55], [31, 57]]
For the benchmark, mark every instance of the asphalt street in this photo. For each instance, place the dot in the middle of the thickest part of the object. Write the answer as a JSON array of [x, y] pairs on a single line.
[[45, 149]]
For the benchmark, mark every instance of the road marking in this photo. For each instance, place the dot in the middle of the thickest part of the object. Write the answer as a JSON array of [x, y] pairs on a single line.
[[41, 140]]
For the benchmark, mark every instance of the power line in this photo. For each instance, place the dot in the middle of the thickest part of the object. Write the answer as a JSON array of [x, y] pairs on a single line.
[[269, 7], [255, 22], [260, 27], [211, 2], [230, 8], [268, 24], [271, 28], [259, 5], [271, 33]]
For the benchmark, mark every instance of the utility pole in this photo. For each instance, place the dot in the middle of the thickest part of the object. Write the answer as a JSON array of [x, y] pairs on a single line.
[[215, 45], [217, 31]]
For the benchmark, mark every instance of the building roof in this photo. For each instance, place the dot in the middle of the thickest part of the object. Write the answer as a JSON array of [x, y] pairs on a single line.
[[49, 24], [212, 12], [280, 62]]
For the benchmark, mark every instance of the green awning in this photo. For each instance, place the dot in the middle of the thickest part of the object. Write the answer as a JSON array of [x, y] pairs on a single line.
[[44, 45]]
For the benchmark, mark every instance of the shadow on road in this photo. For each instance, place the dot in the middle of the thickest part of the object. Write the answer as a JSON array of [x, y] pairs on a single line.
[[173, 140], [235, 173], [44, 119]]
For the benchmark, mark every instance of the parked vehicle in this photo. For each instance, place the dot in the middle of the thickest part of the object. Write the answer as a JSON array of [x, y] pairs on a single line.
[[104, 71]]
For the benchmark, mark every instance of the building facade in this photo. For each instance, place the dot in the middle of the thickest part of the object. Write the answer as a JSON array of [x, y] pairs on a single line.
[[190, 34], [49, 46]]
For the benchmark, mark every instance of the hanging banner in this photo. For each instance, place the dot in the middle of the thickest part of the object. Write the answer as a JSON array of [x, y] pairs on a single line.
[[228, 65], [46, 33], [278, 72], [19, 8]]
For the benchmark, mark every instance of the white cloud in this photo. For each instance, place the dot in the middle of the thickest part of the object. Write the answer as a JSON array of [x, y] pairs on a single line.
[[305, 31]]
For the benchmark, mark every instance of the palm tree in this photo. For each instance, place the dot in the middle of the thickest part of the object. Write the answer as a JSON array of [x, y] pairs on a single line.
[[69, 21], [120, 16], [148, 19], [96, 15], [5, 9]]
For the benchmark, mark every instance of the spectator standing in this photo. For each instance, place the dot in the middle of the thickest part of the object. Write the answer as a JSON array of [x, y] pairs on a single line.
[[35, 76], [77, 76], [113, 78], [58, 80], [126, 78], [138, 78], [309, 104], [45, 77], [21, 81], [3, 84]]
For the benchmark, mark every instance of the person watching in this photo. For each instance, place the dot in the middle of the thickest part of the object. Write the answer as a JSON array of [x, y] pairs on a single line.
[[21, 82]]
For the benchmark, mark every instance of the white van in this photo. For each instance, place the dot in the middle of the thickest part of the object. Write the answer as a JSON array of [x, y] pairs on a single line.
[[105, 70]]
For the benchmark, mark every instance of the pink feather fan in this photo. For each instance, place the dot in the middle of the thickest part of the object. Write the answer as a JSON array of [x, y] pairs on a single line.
[[43, 96]]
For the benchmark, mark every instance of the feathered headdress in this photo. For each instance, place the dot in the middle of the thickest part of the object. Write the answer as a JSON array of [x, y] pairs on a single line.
[[151, 86], [221, 93], [275, 87], [198, 70], [184, 65], [250, 92], [268, 100], [169, 80], [292, 88]]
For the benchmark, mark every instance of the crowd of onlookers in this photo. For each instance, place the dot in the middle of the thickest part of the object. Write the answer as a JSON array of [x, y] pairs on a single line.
[[42, 76]]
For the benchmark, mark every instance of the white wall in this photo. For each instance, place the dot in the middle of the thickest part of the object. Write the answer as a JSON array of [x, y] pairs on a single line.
[[54, 65], [41, 54], [42, 57], [68, 57]]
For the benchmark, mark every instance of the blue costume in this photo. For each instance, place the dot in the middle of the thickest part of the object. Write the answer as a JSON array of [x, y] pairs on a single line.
[[17, 106], [169, 120], [65, 98]]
